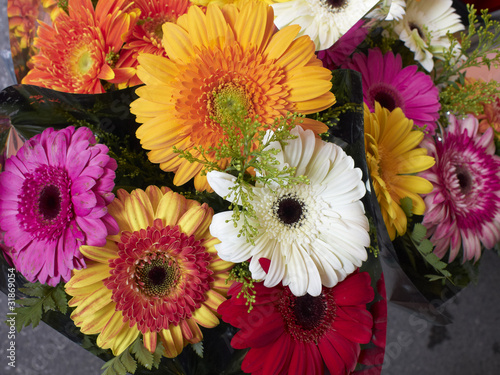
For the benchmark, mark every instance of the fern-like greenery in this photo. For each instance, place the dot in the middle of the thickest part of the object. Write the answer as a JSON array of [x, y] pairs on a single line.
[[136, 353], [42, 298]]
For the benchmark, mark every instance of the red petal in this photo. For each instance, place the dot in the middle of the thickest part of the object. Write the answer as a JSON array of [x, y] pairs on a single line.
[[346, 349], [354, 290], [261, 331], [353, 331], [265, 264]]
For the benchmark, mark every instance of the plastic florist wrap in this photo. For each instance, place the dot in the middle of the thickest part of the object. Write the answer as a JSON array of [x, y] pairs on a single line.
[[240, 186]]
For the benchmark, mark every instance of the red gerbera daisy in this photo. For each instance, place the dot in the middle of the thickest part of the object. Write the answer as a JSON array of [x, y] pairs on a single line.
[[147, 34], [300, 335]]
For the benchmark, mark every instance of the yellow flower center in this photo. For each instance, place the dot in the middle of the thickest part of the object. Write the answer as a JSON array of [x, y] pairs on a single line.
[[85, 62]]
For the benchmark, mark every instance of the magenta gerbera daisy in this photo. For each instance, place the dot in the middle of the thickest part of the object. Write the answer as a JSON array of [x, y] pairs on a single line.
[[463, 208], [53, 198], [301, 335], [387, 82]]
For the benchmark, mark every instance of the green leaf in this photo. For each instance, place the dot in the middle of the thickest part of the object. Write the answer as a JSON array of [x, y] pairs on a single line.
[[144, 356], [198, 348], [129, 362], [45, 298], [407, 206], [158, 354], [435, 277], [426, 247], [419, 232], [122, 363]]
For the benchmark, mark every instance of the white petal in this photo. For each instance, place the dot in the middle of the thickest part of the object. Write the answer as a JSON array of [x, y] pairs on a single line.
[[222, 183]]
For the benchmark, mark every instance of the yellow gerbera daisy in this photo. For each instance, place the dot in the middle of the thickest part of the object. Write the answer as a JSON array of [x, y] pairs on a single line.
[[393, 158], [160, 276], [215, 60]]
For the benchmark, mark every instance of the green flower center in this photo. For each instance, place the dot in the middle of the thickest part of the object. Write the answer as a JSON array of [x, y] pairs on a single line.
[[230, 103]]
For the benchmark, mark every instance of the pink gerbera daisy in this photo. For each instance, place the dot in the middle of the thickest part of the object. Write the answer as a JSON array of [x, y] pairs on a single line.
[[53, 198], [301, 335], [464, 205], [387, 82]]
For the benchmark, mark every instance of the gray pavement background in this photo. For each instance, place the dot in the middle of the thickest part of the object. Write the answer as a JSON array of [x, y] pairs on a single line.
[[468, 346]]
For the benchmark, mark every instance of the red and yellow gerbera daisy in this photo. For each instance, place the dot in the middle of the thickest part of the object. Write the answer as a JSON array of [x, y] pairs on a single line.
[[80, 49], [160, 276], [147, 34], [226, 57]]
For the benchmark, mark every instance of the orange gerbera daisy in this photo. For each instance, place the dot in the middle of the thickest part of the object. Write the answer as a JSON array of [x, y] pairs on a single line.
[[216, 60], [147, 34], [160, 276], [82, 46]]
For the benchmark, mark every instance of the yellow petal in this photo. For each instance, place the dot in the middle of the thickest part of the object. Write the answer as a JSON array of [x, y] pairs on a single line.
[[149, 339], [191, 220], [214, 299], [93, 303], [94, 324], [125, 337], [204, 317], [111, 330], [139, 216], [177, 43], [307, 89], [172, 340], [155, 69], [94, 273], [100, 254], [170, 208]]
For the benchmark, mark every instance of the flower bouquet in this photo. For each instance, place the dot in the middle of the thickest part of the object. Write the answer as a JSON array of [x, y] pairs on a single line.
[[214, 188]]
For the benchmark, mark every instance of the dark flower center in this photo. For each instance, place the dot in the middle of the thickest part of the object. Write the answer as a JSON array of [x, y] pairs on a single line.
[[157, 277], [414, 26], [309, 311], [335, 5], [45, 207], [307, 318], [387, 96], [49, 203], [289, 210], [464, 180]]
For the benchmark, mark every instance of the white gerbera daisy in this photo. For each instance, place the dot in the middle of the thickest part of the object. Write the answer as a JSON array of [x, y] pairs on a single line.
[[424, 26], [309, 234], [325, 21], [388, 10]]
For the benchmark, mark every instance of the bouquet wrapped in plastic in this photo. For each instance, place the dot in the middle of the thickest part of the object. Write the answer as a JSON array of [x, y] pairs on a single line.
[[203, 187]]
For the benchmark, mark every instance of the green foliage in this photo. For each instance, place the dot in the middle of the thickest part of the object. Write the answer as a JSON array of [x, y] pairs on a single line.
[[425, 247], [125, 362], [460, 56], [331, 116], [461, 99], [134, 169], [373, 248], [63, 4], [407, 206], [198, 348], [89, 343], [246, 148], [241, 273], [45, 298]]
